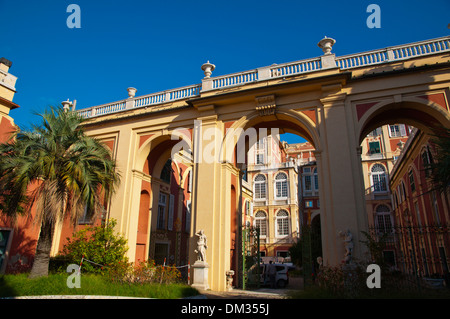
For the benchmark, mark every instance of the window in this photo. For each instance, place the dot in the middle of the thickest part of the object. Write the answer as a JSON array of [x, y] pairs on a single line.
[[395, 200], [316, 180], [374, 148], [166, 172], [282, 253], [260, 187], [435, 207], [260, 151], [397, 130], [4, 239], [259, 159], [427, 160], [308, 203], [161, 218], [87, 216], [247, 208], [161, 253], [384, 221], [188, 216], [379, 178], [310, 181], [416, 206], [261, 223], [189, 181], [281, 185], [171, 212], [411, 181], [282, 223], [375, 132]]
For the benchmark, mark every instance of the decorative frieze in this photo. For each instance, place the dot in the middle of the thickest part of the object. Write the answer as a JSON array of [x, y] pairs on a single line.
[[266, 105]]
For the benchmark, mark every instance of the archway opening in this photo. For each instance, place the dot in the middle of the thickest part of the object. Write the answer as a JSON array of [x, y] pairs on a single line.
[[279, 181], [396, 146], [167, 178]]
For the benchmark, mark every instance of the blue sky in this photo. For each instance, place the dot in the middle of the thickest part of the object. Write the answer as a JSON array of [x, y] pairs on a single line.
[[159, 45]]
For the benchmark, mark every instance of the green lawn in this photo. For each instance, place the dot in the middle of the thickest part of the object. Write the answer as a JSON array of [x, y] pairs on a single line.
[[56, 284]]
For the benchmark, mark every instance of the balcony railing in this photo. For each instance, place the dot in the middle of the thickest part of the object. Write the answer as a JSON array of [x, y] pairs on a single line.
[[276, 71]]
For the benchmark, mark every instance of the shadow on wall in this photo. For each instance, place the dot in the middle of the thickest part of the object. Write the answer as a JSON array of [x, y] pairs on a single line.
[[23, 246]]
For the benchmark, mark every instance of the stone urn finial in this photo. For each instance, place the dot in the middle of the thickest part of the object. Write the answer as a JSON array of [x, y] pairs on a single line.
[[208, 68], [131, 92], [66, 105], [325, 44]]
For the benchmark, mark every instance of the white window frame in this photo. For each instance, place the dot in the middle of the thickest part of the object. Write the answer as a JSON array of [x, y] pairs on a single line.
[[311, 174], [262, 221], [284, 220], [281, 183], [260, 184], [379, 175], [397, 130], [260, 151]]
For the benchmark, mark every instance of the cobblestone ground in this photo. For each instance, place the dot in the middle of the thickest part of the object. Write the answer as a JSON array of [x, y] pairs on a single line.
[[295, 283]]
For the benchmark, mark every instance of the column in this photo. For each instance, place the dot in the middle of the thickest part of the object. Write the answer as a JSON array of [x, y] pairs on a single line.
[[210, 200], [341, 193]]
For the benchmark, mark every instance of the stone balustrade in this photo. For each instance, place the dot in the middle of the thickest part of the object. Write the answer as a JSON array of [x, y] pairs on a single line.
[[275, 71]]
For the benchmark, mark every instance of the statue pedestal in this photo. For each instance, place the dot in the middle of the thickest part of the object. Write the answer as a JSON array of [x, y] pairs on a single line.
[[200, 275]]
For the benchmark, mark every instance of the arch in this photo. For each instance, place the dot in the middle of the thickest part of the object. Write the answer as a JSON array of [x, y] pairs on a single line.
[[163, 139], [420, 113], [382, 208], [287, 120]]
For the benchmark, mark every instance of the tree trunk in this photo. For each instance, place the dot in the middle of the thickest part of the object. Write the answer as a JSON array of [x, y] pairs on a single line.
[[44, 245]]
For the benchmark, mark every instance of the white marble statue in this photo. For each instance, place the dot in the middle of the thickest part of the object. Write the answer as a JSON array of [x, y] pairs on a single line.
[[201, 246], [347, 237]]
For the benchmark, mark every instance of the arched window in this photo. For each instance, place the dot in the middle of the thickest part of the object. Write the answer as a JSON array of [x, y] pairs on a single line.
[[379, 178], [384, 220], [412, 182], [261, 223], [282, 223], [427, 160], [260, 187], [281, 185], [166, 171]]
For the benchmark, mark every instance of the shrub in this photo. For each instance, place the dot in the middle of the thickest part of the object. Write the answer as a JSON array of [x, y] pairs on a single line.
[[144, 273], [98, 244]]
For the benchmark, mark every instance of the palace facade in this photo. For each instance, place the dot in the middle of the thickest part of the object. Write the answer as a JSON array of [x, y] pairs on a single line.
[[181, 169]]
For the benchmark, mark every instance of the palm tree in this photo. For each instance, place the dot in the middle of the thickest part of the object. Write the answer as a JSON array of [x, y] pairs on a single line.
[[60, 171]]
